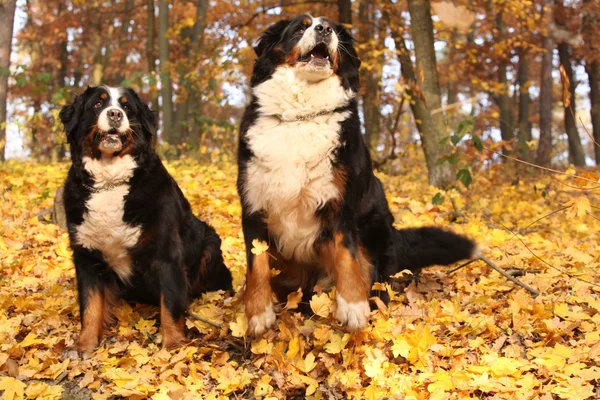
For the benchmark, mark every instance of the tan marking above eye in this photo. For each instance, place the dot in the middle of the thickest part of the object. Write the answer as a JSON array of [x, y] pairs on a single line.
[[104, 96], [123, 99], [307, 21]]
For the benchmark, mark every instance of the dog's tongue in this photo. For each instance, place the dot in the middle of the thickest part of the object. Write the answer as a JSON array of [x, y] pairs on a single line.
[[111, 143]]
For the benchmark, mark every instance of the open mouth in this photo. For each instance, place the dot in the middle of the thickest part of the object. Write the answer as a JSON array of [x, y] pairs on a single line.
[[111, 141], [319, 55]]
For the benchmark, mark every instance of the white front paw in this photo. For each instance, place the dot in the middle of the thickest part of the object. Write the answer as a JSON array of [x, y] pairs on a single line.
[[258, 324], [355, 315]]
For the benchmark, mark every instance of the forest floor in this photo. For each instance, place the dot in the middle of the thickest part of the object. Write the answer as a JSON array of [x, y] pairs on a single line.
[[468, 334]]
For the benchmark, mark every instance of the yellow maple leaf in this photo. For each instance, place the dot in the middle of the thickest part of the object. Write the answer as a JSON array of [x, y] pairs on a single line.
[[146, 326], [43, 391], [320, 304], [238, 328], [293, 299], [336, 343], [30, 340], [13, 388], [263, 386], [309, 363], [504, 366], [579, 207], [401, 348], [261, 347], [585, 177], [259, 247], [293, 348]]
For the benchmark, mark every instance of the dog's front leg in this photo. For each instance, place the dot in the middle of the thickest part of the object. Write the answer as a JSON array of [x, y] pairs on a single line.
[[351, 270], [258, 295], [173, 301], [93, 298]]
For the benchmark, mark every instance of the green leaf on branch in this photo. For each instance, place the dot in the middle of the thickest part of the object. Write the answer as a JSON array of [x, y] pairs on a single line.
[[437, 199], [477, 143], [464, 175], [450, 158]]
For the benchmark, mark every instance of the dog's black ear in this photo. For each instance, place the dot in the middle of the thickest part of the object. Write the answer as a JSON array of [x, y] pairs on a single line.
[[349, 62], [270, 37], [71, 113], [147, 118]]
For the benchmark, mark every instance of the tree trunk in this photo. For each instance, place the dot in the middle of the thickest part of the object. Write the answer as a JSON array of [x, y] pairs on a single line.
[[124, 35], [452, 90], [546, 103], [195, 37], [170, 134], [524, 133], [576, 154], [433, 126], [593, 71], [345, 12], [7, 18], [151, 60], [370, 77], [507, 124], [99, 58]]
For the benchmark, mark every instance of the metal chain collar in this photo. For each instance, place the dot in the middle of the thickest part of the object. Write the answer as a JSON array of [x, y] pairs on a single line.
[[103, 188]]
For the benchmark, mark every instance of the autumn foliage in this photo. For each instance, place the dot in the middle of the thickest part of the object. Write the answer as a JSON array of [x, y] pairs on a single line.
[[466, 334]]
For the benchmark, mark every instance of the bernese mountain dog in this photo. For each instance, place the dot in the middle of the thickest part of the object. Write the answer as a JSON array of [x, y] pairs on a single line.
[[131, 229], [306, 181]]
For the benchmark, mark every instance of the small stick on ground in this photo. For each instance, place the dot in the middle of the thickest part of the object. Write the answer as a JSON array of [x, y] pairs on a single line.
[[508, 275], [206, 321], [457, 211], [521, 272], [462, 265], [531, 290]]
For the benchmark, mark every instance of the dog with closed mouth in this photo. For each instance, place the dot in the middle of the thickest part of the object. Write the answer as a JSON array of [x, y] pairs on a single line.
[[306, 182], [131, 229]]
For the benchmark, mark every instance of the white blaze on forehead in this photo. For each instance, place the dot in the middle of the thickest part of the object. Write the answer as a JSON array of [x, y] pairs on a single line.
[[114, 94]]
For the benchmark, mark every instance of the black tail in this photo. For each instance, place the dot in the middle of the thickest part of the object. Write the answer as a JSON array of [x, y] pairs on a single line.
[[417, 248]]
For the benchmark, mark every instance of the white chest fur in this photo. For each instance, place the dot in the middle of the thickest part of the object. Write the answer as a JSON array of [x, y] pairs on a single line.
[[290, 176], [103, 227]]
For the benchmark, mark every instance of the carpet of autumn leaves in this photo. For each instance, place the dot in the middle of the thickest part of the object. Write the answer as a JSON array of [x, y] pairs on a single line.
[[469, 334]]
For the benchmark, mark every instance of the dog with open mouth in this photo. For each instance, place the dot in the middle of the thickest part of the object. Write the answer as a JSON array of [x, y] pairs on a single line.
[[306, 183], [131, 229]]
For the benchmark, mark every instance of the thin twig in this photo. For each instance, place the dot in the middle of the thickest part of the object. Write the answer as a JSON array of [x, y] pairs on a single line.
[[462, 265], [586, 130], [575, 187], [511, 278], [539, 166], [391, 156], [206, 321], [457, 211], [592, 215], [538, 257], [521, 272]]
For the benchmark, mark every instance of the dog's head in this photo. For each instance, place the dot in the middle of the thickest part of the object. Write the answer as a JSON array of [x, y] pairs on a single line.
[[108, 121], [316, 47]]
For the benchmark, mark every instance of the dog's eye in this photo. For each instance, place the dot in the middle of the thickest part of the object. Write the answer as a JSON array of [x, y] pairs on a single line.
[[98, 104], [300, 31], [126, 107]]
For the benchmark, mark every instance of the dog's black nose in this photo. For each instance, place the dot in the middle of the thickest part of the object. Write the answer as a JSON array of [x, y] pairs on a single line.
[[115, 115], [324, 30]]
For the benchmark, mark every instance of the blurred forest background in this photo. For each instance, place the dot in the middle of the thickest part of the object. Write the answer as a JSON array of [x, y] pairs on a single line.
[[518, 76]]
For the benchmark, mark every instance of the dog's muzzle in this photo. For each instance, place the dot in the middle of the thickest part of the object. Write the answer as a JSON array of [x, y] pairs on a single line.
[[323, 34], [115, 118]]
